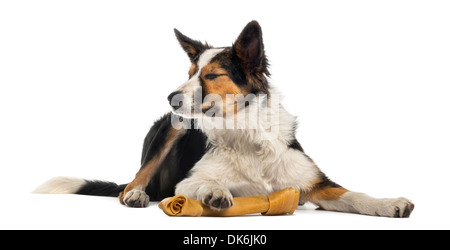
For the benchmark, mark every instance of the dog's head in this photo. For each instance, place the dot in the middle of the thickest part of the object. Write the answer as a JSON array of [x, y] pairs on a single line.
[[218, 76]]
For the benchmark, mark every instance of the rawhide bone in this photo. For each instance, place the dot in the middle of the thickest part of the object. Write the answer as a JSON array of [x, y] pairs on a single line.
[[281, 202]]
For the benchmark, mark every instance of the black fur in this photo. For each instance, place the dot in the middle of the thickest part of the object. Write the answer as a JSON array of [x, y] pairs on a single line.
[[155, 139], [229, 62], [326, 182], [187, 151], [101, 188], [249, 48], [295, 145], [192, 48]]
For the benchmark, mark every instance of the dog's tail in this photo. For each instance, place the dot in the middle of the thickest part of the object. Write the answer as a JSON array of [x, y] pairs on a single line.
[[72, 185]]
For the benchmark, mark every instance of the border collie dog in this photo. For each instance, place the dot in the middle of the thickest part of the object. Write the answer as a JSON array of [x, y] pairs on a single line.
[[228, 136]]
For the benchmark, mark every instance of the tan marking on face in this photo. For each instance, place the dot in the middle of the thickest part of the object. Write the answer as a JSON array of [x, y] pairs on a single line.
[[192, 70], [221, 86]]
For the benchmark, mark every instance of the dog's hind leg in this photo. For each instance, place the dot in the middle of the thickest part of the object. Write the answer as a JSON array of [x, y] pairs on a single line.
[[330, 196]]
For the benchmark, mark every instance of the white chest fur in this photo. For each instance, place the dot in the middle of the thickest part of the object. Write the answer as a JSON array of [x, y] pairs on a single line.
[[246, 163], [258, 172]]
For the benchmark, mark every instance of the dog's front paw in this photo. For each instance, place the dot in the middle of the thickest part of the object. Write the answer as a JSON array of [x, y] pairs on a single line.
[[135, 198], [217, 198]]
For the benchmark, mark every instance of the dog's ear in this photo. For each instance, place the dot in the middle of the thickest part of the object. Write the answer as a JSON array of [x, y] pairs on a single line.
[[249, 48], [192, 48]]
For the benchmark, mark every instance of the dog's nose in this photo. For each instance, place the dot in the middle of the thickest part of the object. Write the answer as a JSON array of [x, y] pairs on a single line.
[[175, 103], [169, 98]]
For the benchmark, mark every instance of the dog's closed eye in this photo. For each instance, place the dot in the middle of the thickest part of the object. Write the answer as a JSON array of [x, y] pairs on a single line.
[[213, 76]]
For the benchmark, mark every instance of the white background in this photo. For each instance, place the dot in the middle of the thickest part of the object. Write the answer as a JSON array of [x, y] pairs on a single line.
[[81, 82]]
